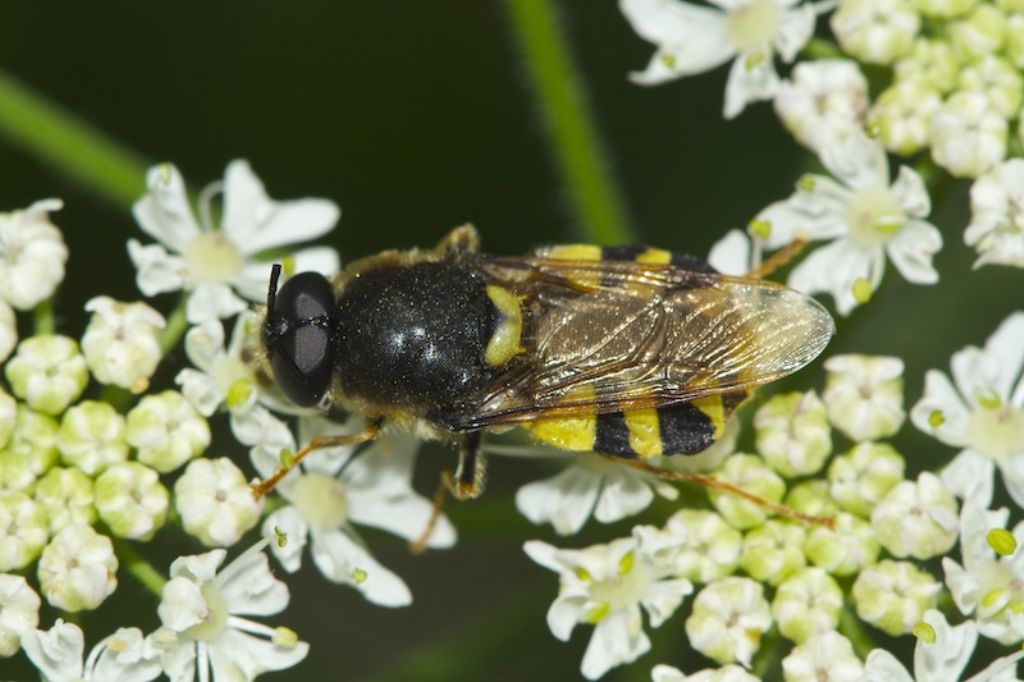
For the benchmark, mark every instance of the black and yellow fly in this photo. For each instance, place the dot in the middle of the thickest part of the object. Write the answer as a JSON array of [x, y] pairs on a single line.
[[629, 352]]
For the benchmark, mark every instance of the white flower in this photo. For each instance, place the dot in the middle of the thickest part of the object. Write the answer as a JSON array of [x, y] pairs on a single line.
[[753, 475], [692, 39], [980, 34], [122, 342], [19, 612], [827, 657], [727, 620], [23, 530], [859, 479], [732, 254], [864, 395], [605, 585], [697, 544], [774, 551], [792, 433], [893, 595], [998, 80], [940, 655], [824, 101], [224, 378], [331, 490], [590, 484], [32, 255], [901, 116], [131, 500], [78, 569], [988, 586], [216, 264], [983, 414], [67, 496], [876, 31], [202, 613], [166, 431], [865, 216], [215, 502], [917, 519], [967, 137], [930, 61], [807, 603], [945, 9], [47, 372], [124, 656], [997, 215], [91, 436]]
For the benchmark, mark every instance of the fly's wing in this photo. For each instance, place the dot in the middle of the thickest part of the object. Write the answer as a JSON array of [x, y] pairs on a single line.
[[602, 336]]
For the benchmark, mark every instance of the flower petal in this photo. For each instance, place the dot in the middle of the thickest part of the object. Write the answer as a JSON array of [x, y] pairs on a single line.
[[911, 251], [941, 411], [342, 560], [158, 271], [969, 477], [255, 222], [248, 586], [730, 255], [212, 301], [834, 268], [623, 494], [795, 29], [564, 500], [913, 196], [947, 656], [617, 639], [56, 652], [252, 281], [752, 78], [238, 655], [858, 161], [288, 522], [690, 39], [164, 212]]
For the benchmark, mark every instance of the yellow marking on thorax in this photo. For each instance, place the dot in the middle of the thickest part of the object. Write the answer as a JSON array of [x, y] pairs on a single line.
[[504, 343], [644, 432], [568, 433]]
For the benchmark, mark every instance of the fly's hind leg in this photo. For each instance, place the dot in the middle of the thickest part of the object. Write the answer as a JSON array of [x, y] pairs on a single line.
[[778, 259], [467, 483]]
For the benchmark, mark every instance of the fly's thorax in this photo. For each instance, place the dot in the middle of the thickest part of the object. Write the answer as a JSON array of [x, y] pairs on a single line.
[[422, 336]]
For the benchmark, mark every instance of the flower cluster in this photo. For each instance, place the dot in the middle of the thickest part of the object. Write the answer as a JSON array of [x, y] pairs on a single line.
[[95, 461], [756, 574]]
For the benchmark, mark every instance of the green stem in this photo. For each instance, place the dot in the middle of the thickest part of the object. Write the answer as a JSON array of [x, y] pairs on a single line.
[[819, 48], [853, 629], [69, 144], [44, 318], [573, 134], [144, 572], [177, 323]]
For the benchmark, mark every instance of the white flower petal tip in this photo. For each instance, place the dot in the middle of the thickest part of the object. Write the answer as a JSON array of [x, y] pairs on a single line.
[[33, 256]]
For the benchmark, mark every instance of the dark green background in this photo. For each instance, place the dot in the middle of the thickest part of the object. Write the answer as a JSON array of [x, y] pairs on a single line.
[[415, 117]]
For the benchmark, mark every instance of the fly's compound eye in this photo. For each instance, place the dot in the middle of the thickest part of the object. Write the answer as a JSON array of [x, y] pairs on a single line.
[[297, 336]]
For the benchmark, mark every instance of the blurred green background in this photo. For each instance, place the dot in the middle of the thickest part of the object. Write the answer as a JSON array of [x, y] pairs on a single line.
[[416, 117]]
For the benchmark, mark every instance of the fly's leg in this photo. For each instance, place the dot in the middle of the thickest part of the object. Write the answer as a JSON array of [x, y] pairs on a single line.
[[370, 432], [778, 260], [467, 483]]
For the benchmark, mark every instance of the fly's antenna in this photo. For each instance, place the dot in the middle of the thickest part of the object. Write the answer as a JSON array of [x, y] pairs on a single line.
[[275, 274]]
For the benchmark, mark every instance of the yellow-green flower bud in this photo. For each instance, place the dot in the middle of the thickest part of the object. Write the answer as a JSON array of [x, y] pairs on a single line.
[[48, 373], [131, 500], [893, 595], [774, 551], [806, 604], [754, 476], [91, 437], [845, 550], [792, 433], [860, 478], [67, 497]]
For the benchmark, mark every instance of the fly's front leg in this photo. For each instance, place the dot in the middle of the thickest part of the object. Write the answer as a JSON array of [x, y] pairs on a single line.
[[466, 484]]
